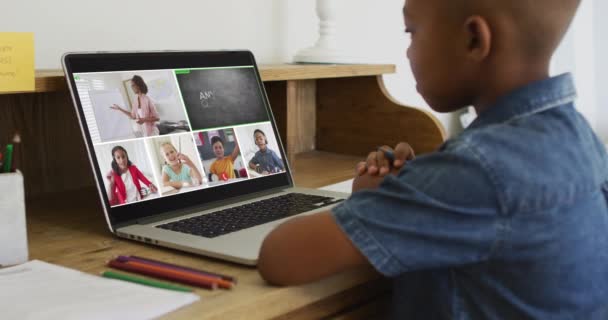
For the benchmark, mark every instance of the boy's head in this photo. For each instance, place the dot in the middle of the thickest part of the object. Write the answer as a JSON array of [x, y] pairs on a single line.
[[218, 147], [260, 139], [470, 52]]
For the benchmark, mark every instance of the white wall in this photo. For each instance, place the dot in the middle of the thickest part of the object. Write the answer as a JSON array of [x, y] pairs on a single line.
[[69, 25], [601, 66], [576, 54]]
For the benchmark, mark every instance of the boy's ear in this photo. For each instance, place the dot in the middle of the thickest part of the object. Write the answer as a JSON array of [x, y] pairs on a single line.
[[479, 37]]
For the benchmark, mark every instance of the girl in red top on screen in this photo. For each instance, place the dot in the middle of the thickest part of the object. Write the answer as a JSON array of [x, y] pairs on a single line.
[[124, 180]]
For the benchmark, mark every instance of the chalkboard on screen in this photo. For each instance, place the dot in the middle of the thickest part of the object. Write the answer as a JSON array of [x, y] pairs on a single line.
[[221, 97]]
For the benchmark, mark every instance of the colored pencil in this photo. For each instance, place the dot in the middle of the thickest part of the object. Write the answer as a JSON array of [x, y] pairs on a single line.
[[169, 265], [146, 282], [147, 270], [388, 154], [179, 274]]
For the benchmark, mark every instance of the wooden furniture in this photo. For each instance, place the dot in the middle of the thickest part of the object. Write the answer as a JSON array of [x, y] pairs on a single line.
[[338, 109], [69, 229], [329, 116]]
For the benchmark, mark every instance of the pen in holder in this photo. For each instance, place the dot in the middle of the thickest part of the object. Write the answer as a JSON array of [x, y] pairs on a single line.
[[13, 233]]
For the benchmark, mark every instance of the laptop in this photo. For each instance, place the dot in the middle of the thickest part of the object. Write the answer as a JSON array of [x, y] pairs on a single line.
[[185, 150]]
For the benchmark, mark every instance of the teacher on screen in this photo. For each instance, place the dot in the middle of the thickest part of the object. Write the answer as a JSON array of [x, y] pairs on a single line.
[[144, 111]]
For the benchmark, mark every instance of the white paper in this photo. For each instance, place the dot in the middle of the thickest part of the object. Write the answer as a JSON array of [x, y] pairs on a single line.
[[39, 290], [344, 186]]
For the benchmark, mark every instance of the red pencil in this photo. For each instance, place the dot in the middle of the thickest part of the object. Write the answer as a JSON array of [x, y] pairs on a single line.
[[161, 274], [170, 265], [176, 275]]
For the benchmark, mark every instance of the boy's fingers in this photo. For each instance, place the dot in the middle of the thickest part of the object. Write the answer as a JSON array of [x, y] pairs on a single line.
[[361, 168], [384, 163], [403, 152], [371, 162]]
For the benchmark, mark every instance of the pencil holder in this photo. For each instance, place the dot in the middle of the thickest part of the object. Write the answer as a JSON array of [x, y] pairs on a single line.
[[13, 233]]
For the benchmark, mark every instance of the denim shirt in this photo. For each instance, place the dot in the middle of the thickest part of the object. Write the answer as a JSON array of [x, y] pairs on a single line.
[[268, 160], [508, 220]]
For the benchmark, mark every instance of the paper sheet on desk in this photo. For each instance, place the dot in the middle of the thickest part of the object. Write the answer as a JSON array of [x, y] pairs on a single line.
[[344, 186], [39, 290]]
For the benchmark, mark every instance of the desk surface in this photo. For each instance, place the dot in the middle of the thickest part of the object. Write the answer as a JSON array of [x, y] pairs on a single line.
[[69, 229]]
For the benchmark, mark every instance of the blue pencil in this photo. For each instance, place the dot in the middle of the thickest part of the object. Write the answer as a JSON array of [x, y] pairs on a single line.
[[388, 154]]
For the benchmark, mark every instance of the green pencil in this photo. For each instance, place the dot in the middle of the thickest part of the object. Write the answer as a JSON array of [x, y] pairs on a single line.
[[8, 158], [146, 282]]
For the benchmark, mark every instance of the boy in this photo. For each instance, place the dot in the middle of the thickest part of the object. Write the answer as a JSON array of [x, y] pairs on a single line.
[[223, 166], [507, 220], [264, 161]]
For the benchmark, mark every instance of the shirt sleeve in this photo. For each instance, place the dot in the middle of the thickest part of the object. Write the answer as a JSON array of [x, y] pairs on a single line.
[[277, 161], [255, 158], [141, 176], [439, 211]]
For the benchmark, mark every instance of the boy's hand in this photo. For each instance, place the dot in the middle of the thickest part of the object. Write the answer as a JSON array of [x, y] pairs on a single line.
[[366, 181], [377, 162]]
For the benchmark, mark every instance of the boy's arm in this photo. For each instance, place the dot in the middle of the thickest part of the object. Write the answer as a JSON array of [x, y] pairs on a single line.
[[253, 161], [277, 161], [306, 249]]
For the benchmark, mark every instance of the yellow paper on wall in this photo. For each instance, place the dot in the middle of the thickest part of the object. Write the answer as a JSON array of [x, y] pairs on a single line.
[[17, 61]]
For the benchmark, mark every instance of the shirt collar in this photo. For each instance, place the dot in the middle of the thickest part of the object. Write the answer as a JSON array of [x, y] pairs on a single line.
[[530, 99]]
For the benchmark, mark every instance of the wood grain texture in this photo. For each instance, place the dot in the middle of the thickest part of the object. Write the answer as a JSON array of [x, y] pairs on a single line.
[[52, 154], [301, 117], [355, 116], [52, 80], [320, 71], [277, 96], [317, 168]]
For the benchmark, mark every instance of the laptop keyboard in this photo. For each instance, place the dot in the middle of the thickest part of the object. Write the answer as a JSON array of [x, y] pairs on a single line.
[[229, 220]]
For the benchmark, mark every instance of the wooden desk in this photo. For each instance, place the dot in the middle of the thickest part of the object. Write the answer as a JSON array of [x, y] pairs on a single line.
[[329, 116], [343, 109], [69, 229]]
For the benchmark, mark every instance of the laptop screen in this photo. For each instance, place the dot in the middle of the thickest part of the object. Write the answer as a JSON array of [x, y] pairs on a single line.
[[169, 131]]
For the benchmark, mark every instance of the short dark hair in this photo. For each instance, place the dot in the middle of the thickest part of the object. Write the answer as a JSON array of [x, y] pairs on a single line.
[[115, 167], [215, 139], [139, 82], [262, 132]]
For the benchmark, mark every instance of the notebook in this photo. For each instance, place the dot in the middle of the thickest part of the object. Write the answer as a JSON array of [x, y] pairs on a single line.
[[185, 150]]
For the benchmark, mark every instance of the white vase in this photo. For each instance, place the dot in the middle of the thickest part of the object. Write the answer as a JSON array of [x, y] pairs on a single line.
[[326, 49]]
